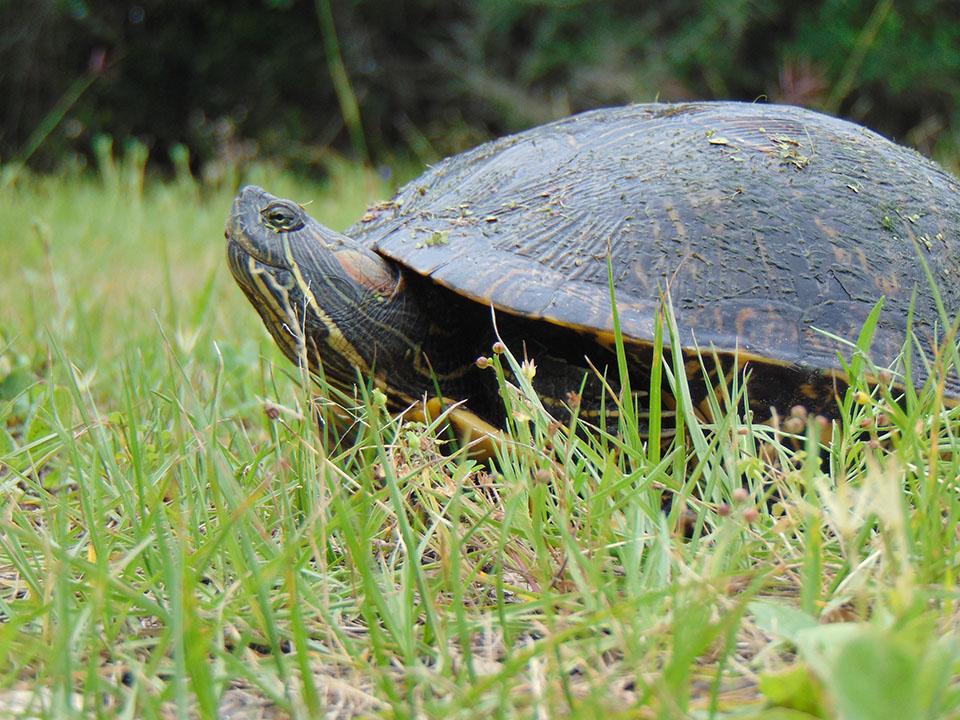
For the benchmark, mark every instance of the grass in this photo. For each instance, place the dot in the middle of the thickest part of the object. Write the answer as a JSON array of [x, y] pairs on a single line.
[[177, 538]]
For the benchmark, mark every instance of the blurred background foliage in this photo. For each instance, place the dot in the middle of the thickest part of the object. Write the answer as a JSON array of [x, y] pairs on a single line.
[[223, 82]]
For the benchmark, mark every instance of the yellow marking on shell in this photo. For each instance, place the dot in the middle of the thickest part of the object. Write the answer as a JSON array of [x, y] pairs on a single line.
[[598, 413], [811, 391], [704, 409], [421, 363], [825, 229], [887, 283], [692, 367], [380, 382], [677, 224], [607, 339], [842, 255], [492, 290], [744, 318]]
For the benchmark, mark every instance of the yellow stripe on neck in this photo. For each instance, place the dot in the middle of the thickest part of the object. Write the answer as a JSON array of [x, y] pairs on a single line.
[[336, 340]]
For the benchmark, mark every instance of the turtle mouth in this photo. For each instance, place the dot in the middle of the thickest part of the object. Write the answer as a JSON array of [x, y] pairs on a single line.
[[240, 248], [244, 262]]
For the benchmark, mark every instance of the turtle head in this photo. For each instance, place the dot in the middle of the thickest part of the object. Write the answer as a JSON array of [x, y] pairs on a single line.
[[317, 291], [273, 231]]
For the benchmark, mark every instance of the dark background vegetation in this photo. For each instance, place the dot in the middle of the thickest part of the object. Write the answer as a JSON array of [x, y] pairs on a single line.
[[294, 80]]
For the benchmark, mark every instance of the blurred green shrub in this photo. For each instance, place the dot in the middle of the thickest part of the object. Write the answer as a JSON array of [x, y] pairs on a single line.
[[231, 79]]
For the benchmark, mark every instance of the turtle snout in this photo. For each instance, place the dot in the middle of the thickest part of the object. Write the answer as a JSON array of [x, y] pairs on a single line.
[[234, 225], [252, 196]]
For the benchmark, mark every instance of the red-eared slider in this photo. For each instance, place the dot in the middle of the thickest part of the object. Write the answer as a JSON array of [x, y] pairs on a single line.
[[776, 230]]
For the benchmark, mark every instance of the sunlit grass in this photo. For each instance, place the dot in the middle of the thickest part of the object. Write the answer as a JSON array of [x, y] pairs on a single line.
[[177, 537]]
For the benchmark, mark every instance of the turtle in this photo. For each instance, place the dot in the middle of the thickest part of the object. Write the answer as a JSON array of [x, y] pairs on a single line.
[[776, 233]]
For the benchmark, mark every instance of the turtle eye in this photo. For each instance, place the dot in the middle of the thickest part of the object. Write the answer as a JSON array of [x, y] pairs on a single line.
[[280, 217]]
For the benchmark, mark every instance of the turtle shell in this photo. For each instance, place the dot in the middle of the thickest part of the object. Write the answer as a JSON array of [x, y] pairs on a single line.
[[776, 230]]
